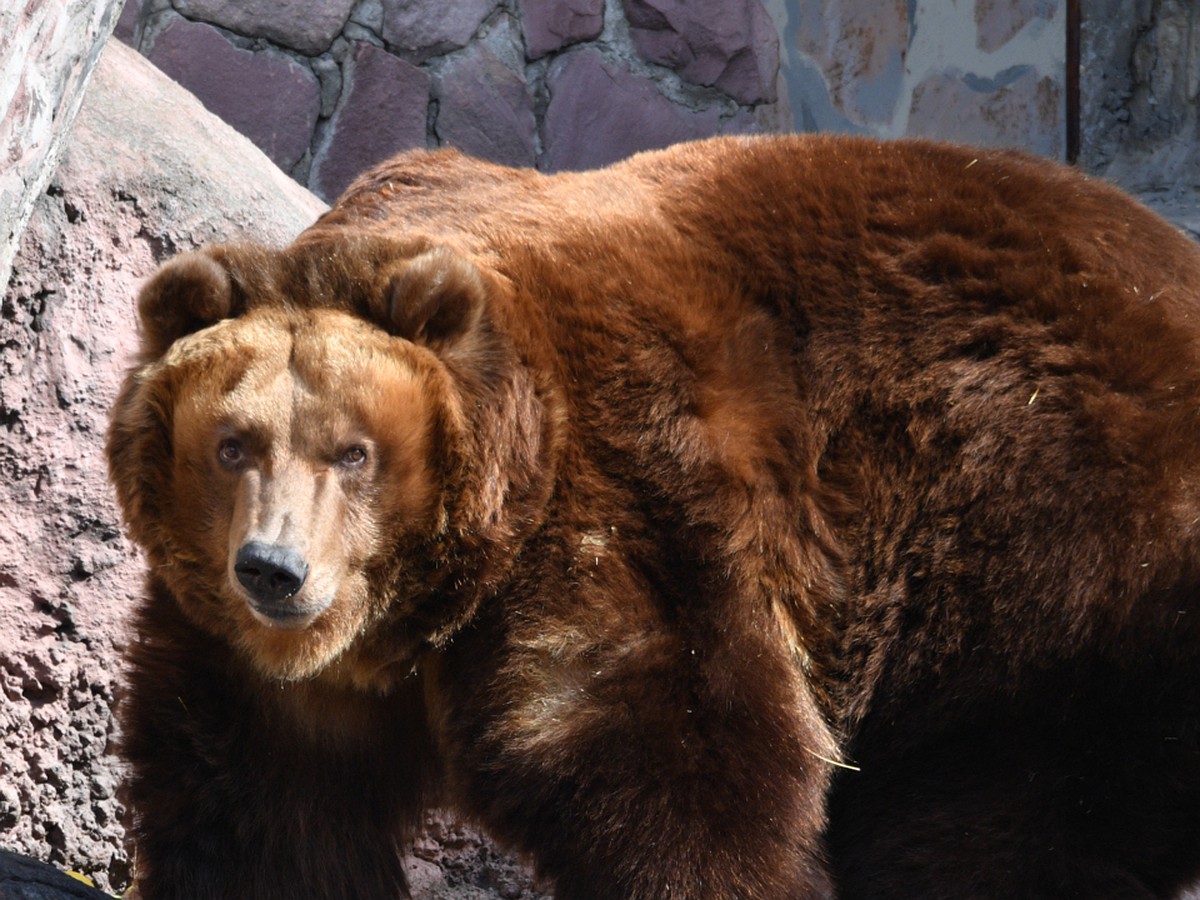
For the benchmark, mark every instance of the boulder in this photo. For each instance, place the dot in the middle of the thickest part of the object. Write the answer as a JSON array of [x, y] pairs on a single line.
[[146, 172], [47, 54]]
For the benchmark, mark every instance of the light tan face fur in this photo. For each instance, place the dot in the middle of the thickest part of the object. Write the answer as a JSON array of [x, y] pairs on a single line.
[[307, 433]]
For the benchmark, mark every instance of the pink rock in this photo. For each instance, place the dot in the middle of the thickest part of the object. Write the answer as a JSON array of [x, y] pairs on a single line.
[[146, 171], [485, 108], [732, 46], [266, 96], [302, 24], [384, 111], [599, 113], [551, 25], [428, 29]]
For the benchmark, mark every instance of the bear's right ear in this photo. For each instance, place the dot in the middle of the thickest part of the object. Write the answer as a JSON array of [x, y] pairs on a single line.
[[436, 298], [190, 292]]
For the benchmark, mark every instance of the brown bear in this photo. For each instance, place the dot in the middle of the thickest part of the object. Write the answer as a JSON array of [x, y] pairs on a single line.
[[785, 517]]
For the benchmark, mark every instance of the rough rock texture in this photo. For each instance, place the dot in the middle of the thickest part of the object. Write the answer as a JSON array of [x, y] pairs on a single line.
[[473, 72], [429, 29], [600, 113], [307, 26], [47, 54], [1021, 110], [731, 46], [384, 111], [268, 97], [131, 189], [551, 25], [1141, 124], [485, 107], [860, 50]]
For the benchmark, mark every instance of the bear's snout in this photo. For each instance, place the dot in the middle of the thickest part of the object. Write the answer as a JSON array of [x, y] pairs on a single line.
[[271, 575]]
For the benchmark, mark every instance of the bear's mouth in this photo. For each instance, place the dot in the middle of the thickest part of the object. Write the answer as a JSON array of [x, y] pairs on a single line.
[[286, 616]]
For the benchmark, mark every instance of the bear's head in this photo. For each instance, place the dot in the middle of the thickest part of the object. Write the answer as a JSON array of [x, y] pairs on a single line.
[[295, 453]]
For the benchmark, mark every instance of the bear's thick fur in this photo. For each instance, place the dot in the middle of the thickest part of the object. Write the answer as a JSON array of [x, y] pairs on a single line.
[[759, 518]]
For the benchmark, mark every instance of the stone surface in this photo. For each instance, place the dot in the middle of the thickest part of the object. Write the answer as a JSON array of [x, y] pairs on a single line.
[[600, 113], [1143, 66], [47, 54], [308, 26], [551, 25], [426, 29], [147, 172], [485, 107], [732, 46], [860, 50], [1017, 109], [384, 111], [268, 97], [998, 21]]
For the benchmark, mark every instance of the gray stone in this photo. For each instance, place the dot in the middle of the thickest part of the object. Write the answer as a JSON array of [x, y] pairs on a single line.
[[425, 29], [600, 113], [307, 26], [47, 54], [551, 25], [732, 46], [485, 108], [384, 109], [146, 172], [268, 97]]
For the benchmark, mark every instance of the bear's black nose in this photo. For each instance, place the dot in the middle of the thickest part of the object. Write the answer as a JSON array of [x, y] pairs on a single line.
[[270, 572]]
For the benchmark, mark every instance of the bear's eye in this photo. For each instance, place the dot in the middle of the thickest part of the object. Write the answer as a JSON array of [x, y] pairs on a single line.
[[354, 457], [230, 453]]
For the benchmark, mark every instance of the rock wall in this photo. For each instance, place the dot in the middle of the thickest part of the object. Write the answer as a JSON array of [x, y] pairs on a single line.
[[1141, 101], [328, 87], [47, 53], [130, 190]]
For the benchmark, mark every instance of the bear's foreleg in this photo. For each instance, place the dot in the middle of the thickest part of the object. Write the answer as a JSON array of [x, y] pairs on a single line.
[[237, 792], [660, 768]]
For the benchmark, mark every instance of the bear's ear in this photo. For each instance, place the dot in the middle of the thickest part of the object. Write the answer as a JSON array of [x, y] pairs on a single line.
[[190, 292], [435, 298]]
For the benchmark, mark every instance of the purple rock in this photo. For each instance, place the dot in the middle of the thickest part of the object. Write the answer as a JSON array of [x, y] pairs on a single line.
[[485, 107], [428, 29], [732, 46], [268, 97], [302, 24], [127, 25], [550, 25], [599, 113], [383, 111]]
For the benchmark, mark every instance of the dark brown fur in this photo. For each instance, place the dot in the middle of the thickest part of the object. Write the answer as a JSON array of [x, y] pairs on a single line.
[[764, 518]]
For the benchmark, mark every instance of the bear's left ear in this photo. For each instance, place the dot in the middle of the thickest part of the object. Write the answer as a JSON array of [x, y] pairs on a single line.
[[435, 299], [190, 292]]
